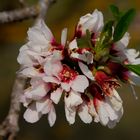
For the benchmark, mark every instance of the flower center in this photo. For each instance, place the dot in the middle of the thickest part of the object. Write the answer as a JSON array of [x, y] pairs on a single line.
[[67, 74], [39, 68]]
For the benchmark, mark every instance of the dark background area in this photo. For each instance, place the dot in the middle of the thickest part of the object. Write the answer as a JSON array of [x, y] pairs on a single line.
[[66, 13]]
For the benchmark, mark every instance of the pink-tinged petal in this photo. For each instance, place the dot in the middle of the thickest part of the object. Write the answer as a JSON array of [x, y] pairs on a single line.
[[37, 93], [73, 99], [25, 101], [52, 116], [50, 79], [80, 83], [64, 36], [93, 112], [70, 115], [30, 72], [56, 95], [31, 115], [115, 100], [132, 55], [111, 124], [103, 115], [92, 22], [66, 86], [99, 22], [84, 114], [45, 30], [36, 81], [41, 48], [124, 41], [56, 56], [40, 33], [120, 114], [86, 71], [35, 57], [24, 48], [76, 56], [24, 59], [82, 57], [53, 69], [73, 45], [111, 112], [44, 106]]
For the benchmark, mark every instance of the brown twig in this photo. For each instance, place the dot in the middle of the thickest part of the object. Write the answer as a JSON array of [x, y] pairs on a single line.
[[38, 10], [19, 14], [10, 127]]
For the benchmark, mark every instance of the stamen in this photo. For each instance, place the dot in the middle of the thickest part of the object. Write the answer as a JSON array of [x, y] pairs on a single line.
[[133, 91]]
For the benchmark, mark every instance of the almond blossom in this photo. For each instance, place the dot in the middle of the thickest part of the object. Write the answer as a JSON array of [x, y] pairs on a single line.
[[40, 48], [87, 71], [92, 23]]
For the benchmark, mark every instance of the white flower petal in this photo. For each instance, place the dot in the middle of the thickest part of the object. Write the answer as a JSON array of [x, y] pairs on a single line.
[[132, 55], [25, 101], [84, 114], [80, 83], [52, 69], [93, 112], [125, 40], [115, 100], [73, 44], [73, 99], [70, 115], [44, 106], [56, 95], [46, 31], [120, 114], [85, 56], [40, 33], [82, 57], [121, 47], [56, 56], [36, 81], [111, 124], [66, 86], [31, 115], [64, 36], [37, 93], [39, 47], [92, 22], [52, 116], [103, 115], [99, 23], [30, 72], [111, 112], [86, 71], [24, 59], [50, 79]]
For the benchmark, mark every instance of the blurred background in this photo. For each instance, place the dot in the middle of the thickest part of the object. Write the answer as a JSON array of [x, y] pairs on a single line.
[[66, 13]]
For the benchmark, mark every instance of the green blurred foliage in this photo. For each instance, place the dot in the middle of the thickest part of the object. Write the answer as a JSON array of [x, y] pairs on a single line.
[[65, 13]]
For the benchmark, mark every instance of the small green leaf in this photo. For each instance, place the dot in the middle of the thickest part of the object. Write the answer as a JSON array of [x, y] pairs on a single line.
[[106, 34], [82, 41], [85, 41], [123, 24], [115, 11], [134, 68]]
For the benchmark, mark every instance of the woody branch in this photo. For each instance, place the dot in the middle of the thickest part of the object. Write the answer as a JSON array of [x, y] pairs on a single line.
[[10, 127]]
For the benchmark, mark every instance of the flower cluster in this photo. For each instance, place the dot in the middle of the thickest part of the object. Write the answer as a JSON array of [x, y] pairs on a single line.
[[85, 70]]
